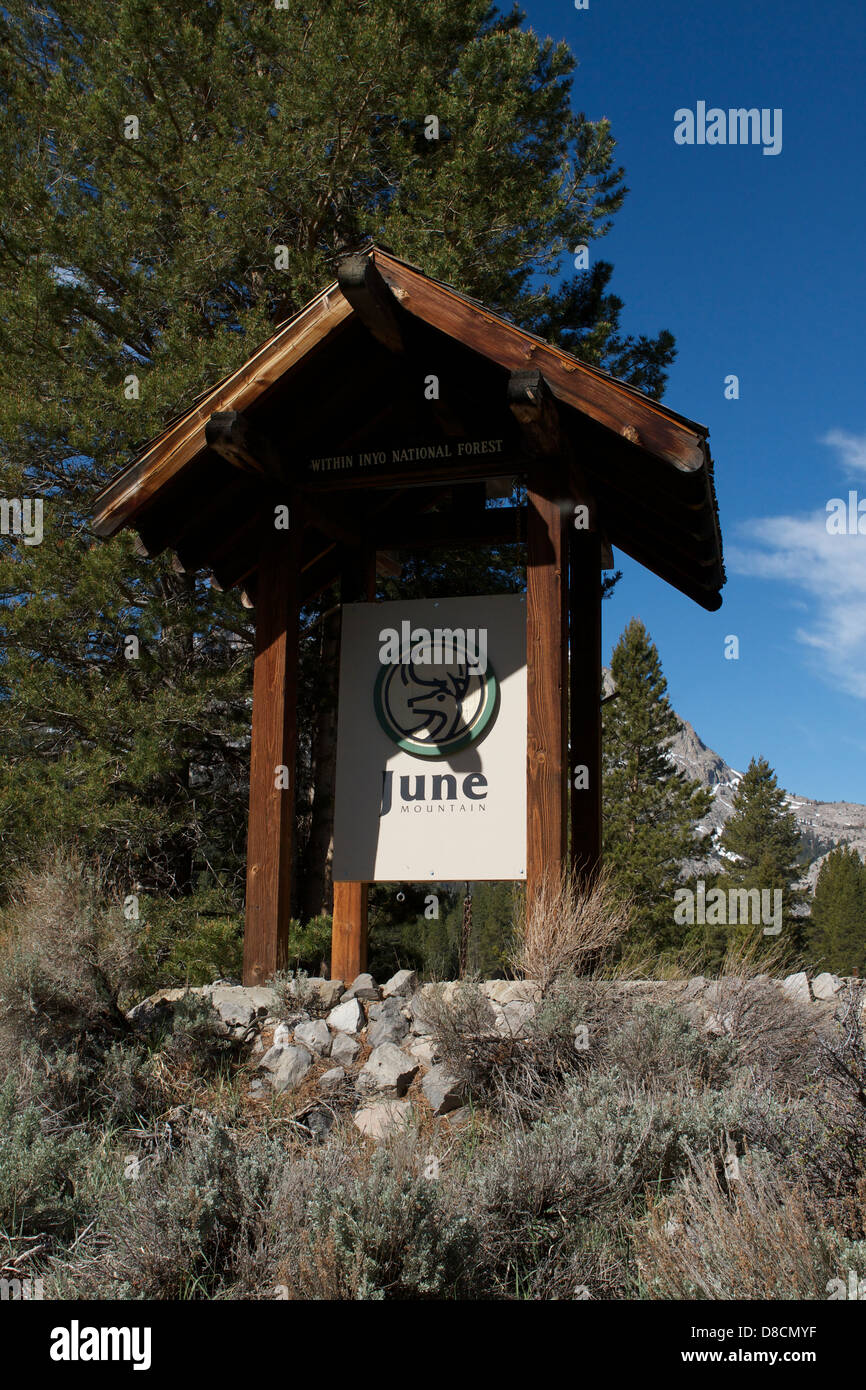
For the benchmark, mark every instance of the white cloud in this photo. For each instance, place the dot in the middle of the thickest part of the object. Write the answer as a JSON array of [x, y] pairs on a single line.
[[831, 570], [851, 448]]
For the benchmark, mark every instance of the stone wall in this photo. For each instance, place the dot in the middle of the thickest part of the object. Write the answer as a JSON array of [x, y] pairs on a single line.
[[371, 1048]]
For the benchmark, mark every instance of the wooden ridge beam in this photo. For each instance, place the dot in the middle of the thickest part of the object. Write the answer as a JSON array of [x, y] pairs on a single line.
[[372, 300]]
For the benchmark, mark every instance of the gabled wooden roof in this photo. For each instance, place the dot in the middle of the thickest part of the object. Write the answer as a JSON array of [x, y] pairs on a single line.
[[342, 380]]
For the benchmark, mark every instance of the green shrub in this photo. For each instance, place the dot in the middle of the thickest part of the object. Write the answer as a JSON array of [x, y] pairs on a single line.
[[37, 1171], [189, 941]]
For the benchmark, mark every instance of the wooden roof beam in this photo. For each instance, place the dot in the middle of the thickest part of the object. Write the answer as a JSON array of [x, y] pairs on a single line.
[[372, 299], [535, 408], [230, 434]]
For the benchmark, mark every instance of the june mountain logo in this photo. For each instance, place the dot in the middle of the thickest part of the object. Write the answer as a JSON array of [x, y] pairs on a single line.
[[435, 711]]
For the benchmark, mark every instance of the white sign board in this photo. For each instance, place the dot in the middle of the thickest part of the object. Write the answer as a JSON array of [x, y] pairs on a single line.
[[431, 741]]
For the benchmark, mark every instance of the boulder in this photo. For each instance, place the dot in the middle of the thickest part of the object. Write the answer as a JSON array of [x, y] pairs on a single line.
[[418, 1007], [316, 1036], [422, 1049], [282, 1035], [386, 1022], [344, 1049], [362, 987], [238, 1007], [401, 985], [826, 986], [513, 1018], [331, 1080], [388, 1069], [286, 1066], [379, 1120], [160, 1003], [327, 992], [319, 1121], [443, 1091], [347, 1017], [797, 987], [510, 991]]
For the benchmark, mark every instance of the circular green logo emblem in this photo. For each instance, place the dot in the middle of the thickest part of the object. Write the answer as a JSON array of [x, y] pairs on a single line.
[[434, 711]]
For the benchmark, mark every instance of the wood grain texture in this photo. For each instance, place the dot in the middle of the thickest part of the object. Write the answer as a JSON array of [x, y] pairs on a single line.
[[584, 613], [184, 439], [372, 300], [612, 403], [548, 510], [349, 931], [274, 742]]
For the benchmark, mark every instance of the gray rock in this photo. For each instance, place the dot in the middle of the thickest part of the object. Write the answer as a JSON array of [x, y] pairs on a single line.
[[403, 984], [347, 1017], [459, 1117], [419, 1011], [510, 991], [388, 1069], [362, 987], [513, 1018], [344, 1049], [238, 1007], [826, 986], [386, 1022], [797, 987], [422, 1049], [443, 1091], [328, 992], [287, 1066], [319, 1121], [315, 1036], [331, 1081], [387, 1030], [380, 1120], [158, 1004], [388, 1008]]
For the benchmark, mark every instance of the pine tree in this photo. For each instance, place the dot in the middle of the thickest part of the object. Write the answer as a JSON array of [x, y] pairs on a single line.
[[764, 841], [651, 810], [155, 159], [837, 928]]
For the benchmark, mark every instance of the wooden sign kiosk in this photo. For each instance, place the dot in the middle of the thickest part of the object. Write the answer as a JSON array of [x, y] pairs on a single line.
[[383, 415]]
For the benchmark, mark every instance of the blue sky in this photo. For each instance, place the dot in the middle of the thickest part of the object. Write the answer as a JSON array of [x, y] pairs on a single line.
[[757, 264]]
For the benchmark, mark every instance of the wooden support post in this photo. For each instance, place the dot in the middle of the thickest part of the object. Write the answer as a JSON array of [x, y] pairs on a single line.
[[584, 611], [349, 931], [547, 679], [349, 923], [274, 738]]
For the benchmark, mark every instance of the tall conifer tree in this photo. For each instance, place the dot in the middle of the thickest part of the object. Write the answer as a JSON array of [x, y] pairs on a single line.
[[177, 179], [764, 850], [651, 810], [837, 927]]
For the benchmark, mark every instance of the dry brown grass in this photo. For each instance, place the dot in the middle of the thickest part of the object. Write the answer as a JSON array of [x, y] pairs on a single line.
[[751, 1238], [65, 957], [570, 926]]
